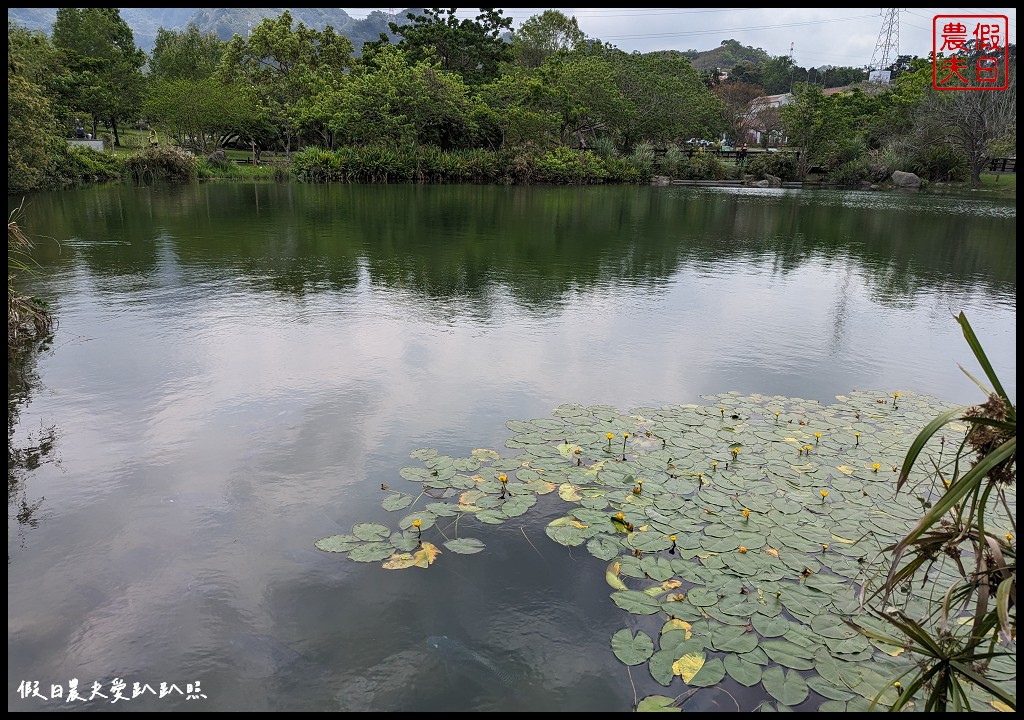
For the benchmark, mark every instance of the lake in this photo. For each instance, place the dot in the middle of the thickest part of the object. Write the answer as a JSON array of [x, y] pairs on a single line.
[[240, 370]]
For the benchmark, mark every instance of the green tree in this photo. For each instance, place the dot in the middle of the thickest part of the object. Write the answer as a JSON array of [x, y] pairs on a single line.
[[30, 126], [201, 114], [812, 124], [473, 48], [104, 67], [516, 110], [541, 36], [978, 120], [745, 72], [580, 90], [664, 100], [779, 74], [281, 64], [403, 103], [186, 53]]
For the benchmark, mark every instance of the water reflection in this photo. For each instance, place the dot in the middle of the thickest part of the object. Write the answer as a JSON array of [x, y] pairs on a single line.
[[458, 243], [27, 449], [241, 368]]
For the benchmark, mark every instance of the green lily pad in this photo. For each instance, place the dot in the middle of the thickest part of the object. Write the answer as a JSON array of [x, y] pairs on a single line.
[[371, 531], [735, 639], [632, 649], [770, 627], [371, 552], [702, 597], [657, 703], [603, 547], [465, 546], [742, 671], [337, 543], [786, 686], [396, 501], [711, 673], [636, 602], [567, 531]]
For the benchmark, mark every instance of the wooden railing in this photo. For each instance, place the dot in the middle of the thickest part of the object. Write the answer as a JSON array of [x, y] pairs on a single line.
[[1002, 165]]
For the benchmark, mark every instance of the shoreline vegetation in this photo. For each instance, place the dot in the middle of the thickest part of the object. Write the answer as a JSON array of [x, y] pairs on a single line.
[[449, 100], [380, 164]]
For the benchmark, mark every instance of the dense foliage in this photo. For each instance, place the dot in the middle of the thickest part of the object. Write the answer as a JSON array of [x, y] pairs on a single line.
[[544, 92]]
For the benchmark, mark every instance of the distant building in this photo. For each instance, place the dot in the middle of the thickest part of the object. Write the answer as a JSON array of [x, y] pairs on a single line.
[[762, 123], [880, 76]]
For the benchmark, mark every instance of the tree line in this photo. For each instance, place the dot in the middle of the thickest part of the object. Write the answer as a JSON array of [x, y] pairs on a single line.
[[457, 85]]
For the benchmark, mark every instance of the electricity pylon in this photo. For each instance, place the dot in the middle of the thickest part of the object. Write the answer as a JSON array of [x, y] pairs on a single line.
[[887, 49]]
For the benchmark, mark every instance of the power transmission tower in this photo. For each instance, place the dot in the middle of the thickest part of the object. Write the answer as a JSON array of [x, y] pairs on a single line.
[[887, 49]]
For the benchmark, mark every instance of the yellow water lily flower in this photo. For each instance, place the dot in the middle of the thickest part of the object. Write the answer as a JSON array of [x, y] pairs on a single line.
[[742, 549], [824, 546], [875, 467], [503, 478], [1009, 537], [735, 451], [746, 513], [824, 493], [620, 516], [714, 464], [417, 524], [625, 435], [672, 538]]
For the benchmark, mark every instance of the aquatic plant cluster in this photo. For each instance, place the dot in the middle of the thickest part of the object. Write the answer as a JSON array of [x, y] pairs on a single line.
[[744, 532]]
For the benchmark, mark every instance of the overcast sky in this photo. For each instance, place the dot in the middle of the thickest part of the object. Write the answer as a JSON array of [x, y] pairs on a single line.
[[836, 36]]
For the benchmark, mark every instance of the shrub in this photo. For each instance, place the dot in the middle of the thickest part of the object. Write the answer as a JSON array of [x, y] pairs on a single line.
[[671, 161], [940, 162], [164, 163], [572, 167], [703, 166], [622, 170], [604, 147], [851, 172], [781, 165], [643, 159]]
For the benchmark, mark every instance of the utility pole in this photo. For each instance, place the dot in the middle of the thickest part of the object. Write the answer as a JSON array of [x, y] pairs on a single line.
[[792, 67]]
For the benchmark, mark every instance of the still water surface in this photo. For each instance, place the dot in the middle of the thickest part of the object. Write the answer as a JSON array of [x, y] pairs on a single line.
[[239, 368]]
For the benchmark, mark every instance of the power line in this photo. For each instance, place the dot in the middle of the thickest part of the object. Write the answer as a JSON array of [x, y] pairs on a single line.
[[736, 29]]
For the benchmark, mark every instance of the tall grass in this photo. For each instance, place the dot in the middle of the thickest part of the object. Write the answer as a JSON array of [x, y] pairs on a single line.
[[28, 318]]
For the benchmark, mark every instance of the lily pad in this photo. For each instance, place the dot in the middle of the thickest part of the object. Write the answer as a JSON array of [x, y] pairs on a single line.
[[657, 703], [396, 501], [636, 602], [465, 546], [371, 531], [632, 649], [337, 543], [786, 686]]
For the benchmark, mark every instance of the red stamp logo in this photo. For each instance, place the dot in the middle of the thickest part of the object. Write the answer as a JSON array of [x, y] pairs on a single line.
[[970, 52]]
